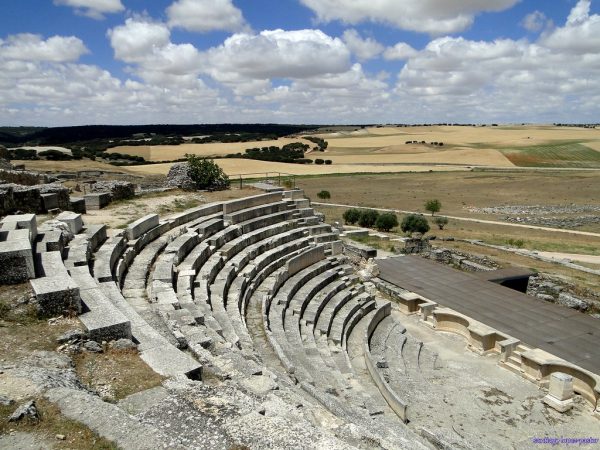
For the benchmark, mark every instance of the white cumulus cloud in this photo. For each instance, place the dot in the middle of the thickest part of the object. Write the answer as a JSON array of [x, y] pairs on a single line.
[[534, 21], [96, 9], [400, 51], [363, 48], [205, 15], [32, 47], [435, 17], [279, 54]]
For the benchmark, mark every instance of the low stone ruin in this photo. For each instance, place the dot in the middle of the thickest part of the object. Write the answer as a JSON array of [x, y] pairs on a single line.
[[178, 177], [118, 190], [38, 199]]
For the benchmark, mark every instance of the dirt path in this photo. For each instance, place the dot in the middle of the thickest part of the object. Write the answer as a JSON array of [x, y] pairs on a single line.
[[591, 259], [469, 219]]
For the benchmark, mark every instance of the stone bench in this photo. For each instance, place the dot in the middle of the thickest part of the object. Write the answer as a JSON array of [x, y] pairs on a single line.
[[254, 212], [399, 406], [181, 246], [247, 239], [209, 227], [310, 289], [137, 228], [341, 319], [314, 308], [330, 310], [196, 213], [265, 220], [107, 257], [255, 250], [96, 234], [251, 202]]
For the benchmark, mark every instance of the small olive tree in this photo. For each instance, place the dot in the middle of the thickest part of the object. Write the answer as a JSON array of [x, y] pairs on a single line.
[[367, 218], [433, 206], [386, 221], [441, 222], [414, 223], [206, 173], [351, 216], [324, 195]]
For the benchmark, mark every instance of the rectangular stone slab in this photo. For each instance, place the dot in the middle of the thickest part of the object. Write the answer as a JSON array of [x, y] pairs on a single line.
[[56, 296], [140, 226], [73, 221], [16, 262]]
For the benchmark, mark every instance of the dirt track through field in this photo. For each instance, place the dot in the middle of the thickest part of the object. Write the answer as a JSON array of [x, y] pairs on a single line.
[[468, 219]]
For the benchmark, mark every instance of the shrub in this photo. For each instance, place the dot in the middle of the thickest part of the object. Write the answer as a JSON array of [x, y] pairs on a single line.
[[351, 216], [324, 195], [319, 161], [433, 206], [414, 223], [386, 221], [206, 173], [367, 218], [328, 162], [441, 222]]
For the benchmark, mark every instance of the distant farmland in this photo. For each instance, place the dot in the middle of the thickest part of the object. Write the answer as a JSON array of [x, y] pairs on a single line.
[[554, 155]]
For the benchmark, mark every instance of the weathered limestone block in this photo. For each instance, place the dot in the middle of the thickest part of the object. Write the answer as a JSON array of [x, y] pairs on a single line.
[[560, 393], [56, 296], [142, 225], [97, 201], [77, 204], [22, 221], [73, 221], [16, 261], [305, 259], [96, 234], [49, 201], [250, 202]]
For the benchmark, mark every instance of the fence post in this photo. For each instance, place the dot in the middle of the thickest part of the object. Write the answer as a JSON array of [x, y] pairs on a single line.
[[240, 182]]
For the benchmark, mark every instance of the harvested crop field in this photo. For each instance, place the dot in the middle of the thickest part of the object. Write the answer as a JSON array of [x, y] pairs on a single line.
[[174, 152], [253, 168], [464, 193]]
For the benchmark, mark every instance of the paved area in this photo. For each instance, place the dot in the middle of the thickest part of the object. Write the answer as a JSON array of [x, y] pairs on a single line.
[[561, 331]]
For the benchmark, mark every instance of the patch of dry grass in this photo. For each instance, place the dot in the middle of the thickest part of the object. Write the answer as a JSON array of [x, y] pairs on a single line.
[[51, 423], [115, 374]]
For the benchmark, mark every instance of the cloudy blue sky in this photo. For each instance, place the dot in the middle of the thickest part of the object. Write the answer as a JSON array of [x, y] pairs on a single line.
[[72, 62]]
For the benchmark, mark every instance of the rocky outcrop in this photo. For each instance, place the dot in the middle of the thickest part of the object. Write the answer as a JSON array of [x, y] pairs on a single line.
[[179, 177], [119, 190]]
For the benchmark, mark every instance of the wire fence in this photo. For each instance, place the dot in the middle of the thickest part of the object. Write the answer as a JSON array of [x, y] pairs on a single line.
[[278, 179]]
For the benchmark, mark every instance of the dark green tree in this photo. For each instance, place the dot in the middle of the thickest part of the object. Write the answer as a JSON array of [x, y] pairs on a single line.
[[386, 221], [351, 216], [324, 195], [414, 223], [206, 173], [367, 218], [433, 206]]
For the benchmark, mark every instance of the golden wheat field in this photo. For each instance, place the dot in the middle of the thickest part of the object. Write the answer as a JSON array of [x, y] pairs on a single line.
[[174, 152], [254, 169]]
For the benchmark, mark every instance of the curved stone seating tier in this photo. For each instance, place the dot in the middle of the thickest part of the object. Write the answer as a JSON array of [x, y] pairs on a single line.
[[305, 295], [331, 308], [346, 317]]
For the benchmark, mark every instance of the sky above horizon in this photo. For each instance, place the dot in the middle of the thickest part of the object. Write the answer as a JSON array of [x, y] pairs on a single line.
[[75, 62]]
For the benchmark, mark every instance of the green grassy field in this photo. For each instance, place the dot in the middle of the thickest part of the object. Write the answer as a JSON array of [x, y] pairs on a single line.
[[566, 154]]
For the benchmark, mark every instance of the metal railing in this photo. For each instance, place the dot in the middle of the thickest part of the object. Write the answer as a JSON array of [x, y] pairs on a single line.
[[286, 180]]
